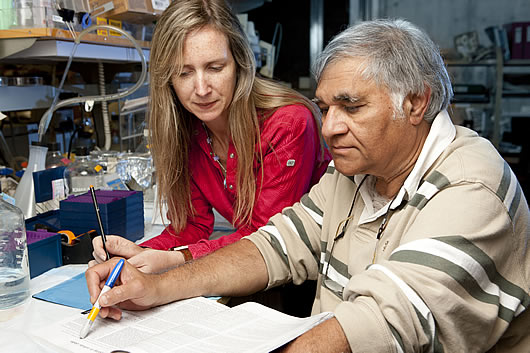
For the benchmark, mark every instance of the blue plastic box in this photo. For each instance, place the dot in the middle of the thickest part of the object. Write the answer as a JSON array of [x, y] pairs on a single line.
[[44, 251], [121, 211], [48, 220]]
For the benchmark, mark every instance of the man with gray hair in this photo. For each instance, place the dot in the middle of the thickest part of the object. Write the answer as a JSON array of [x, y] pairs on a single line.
[[417, 234]]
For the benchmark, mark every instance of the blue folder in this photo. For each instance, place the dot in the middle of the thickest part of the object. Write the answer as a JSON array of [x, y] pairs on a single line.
[[72, 292]]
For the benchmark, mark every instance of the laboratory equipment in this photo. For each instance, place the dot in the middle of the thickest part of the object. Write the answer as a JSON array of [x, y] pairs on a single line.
[[25, 193], [54, 158], [82, 173], [47, 117], [14, 266]]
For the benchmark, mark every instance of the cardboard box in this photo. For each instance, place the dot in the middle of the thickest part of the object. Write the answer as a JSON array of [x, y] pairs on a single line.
[[134, 11]]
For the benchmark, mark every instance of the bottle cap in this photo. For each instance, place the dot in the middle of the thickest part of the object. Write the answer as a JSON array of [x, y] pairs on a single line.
[[81, 151], [53, 146]]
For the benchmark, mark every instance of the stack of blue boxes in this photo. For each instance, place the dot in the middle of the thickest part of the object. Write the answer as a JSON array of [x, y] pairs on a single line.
[[122, 213]]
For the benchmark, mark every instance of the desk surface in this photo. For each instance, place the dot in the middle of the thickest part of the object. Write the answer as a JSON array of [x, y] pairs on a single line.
[[17, 324], [34, 314]]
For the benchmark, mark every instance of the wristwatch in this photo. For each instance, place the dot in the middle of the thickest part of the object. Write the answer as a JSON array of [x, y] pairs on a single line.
[[184, 250]]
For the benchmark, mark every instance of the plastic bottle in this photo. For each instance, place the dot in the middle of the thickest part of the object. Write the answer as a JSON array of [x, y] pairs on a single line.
[[14, 265], [143, 147], [25, 193], [54, 158], [82, 173]]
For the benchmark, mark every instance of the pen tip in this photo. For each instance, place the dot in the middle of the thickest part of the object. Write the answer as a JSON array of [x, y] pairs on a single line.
[[85, 329]]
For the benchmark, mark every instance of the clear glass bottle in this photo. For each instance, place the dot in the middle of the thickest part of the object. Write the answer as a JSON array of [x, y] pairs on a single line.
[[14, 265], [82, 173], [54, 158]]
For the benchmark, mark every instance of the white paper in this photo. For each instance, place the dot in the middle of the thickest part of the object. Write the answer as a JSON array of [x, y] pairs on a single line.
[[193, 325]]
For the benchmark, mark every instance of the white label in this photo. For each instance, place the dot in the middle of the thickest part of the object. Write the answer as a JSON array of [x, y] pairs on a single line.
[[160, 4], [290, 163], [518, 35], [58, 189], [8, 198], [57, 19]]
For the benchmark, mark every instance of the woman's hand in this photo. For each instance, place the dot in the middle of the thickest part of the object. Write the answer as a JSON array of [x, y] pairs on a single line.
[[145, 260], [116, 246], [156, 261]]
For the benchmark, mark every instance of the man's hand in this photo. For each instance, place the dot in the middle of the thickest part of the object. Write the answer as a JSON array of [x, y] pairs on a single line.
[[145, 260], [133, 290]]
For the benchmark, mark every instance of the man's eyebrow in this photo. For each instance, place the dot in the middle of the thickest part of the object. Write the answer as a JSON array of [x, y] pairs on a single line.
[[345, 98]]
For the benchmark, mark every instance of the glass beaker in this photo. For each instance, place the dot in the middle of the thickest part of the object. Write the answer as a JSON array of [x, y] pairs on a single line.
[[14, 265]]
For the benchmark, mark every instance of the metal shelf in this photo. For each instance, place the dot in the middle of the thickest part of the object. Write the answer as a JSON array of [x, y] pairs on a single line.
[[60, 50], [15, 98]]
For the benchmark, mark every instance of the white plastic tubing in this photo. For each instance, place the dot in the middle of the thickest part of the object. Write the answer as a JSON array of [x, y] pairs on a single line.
[[103, 97], [104, 107]]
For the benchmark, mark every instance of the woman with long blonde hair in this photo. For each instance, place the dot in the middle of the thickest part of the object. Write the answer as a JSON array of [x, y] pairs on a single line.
[[220, 136]]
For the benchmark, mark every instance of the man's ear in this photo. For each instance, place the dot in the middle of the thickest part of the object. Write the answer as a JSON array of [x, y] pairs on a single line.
[[416, 105]]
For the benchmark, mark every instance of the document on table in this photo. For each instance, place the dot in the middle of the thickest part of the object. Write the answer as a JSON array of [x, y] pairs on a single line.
[[192, 325]]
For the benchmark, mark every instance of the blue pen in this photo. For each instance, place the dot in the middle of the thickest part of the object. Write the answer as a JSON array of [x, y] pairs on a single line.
[[95, 309]]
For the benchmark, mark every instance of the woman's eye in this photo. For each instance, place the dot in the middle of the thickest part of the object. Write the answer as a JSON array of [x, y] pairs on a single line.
[[216, 68], [184, 74]]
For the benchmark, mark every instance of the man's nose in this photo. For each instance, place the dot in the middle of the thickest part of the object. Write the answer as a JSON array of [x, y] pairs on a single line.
[[333, 123]]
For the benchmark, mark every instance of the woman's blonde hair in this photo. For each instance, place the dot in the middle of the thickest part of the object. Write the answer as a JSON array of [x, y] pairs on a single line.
[[170, 124]]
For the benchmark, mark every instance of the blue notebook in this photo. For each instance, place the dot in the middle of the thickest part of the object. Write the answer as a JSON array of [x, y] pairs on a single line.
[[72, 293]]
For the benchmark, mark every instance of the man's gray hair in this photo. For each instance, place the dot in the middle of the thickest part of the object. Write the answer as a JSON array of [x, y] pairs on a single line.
[[398, 55]]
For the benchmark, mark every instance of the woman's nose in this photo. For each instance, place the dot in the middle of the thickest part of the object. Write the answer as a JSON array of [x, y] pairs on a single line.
[[202, 85]]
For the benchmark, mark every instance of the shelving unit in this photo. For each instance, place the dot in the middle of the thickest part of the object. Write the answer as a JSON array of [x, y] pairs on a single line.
[[51, 48], [498, 95], [44, 45]]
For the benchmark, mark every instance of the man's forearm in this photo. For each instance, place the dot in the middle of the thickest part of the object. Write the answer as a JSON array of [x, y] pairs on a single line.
[[326, 337], [235, 270]]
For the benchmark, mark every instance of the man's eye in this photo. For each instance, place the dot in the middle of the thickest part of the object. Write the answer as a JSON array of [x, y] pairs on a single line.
[[350, 109], [324, 111]]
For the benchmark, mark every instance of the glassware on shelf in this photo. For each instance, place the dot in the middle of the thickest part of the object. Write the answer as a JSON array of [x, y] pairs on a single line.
[[82, 173], [108, 160], [54, 158]]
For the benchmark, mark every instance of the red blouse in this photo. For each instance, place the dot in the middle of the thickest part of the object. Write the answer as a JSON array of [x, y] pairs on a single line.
[[292, 163]]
